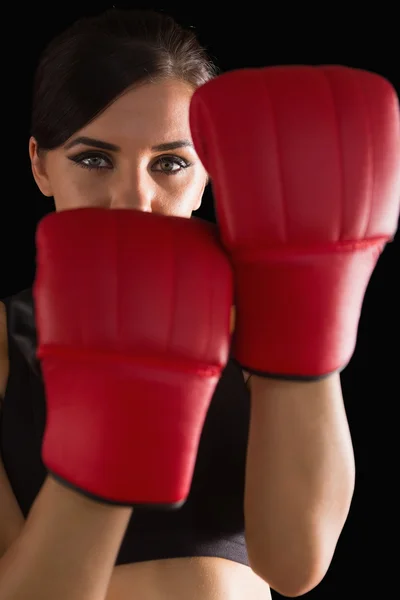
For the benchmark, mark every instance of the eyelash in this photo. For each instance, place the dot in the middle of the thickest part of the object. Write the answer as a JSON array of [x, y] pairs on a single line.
[[78, 160]]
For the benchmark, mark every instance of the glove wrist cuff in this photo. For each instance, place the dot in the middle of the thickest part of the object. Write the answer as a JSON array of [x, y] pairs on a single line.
[[299, 318]]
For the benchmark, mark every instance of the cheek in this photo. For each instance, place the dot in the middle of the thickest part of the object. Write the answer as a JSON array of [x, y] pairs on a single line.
[[187, 195], [183, 202], [73, 189]]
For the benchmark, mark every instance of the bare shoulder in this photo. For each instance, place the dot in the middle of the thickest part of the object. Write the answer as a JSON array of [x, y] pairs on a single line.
[[4, 366]]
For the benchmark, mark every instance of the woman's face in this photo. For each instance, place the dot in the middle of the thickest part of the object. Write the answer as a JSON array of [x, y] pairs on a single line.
[[137, 154]]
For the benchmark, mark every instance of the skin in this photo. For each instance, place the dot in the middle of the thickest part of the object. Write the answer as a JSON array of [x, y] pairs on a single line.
[[165, 180]]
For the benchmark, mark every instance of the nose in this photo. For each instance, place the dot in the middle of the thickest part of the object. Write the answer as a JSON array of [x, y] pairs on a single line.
[[134, 192]]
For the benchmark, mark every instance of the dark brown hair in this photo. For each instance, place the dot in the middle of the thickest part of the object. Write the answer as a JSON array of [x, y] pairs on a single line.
[[95, 60]]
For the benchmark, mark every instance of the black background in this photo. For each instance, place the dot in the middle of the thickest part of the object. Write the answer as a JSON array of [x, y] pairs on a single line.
[[365, 562]]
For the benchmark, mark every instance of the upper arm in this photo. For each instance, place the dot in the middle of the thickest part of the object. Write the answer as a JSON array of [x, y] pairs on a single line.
[[4, 365], [11, 517]]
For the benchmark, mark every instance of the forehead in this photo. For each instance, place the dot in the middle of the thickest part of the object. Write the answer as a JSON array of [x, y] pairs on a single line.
[[152, 113]]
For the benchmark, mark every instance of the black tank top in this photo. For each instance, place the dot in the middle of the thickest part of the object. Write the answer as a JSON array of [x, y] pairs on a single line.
[[211, 522]]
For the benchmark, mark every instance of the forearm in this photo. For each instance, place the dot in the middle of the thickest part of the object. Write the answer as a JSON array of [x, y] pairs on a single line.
[[66, 550], [300, 473]]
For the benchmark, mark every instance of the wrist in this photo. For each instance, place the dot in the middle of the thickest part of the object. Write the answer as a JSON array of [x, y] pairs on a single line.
[[79, 501], [67, 549], [268, 388]]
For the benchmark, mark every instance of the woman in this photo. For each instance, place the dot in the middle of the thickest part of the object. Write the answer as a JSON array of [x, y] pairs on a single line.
[[110, 129], [83, 90]]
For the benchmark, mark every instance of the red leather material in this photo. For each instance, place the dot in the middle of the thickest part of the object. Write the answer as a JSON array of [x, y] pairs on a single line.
[[133, 317], [305, 167]]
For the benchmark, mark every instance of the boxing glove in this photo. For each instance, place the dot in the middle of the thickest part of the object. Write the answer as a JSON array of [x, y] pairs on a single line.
[[133, 320], [305, 168]]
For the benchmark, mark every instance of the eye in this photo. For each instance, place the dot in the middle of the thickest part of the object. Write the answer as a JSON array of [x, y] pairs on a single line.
[[170, 165], [92, 161]]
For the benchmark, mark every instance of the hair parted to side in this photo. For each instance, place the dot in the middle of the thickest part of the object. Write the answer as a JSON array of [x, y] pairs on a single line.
[[89, 65]]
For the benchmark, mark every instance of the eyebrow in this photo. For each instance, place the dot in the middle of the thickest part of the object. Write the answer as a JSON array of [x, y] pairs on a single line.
[[87, 141]]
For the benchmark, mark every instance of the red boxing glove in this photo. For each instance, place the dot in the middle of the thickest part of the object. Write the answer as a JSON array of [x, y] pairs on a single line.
[[305, 167], [133, 317]]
